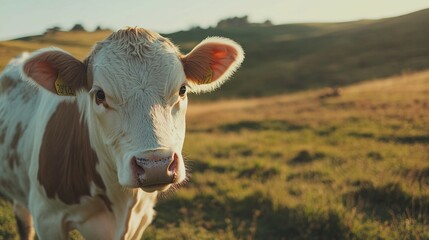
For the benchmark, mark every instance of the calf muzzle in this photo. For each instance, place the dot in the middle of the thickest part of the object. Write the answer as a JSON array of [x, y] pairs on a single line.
[[154, 172]]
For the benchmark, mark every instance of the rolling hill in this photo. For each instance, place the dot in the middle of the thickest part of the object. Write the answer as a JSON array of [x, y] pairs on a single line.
[[291, 57]]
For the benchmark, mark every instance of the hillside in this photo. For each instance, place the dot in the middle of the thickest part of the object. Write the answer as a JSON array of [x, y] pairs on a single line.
[[298, 166], [302, 56], [291, 57]]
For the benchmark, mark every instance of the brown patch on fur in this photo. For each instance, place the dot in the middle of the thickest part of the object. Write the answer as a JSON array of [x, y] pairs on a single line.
[[24, 222], [13, 153], [67, 163], [4, 184], [17, 136], [13, 159], [7, 186], [23, 229], [26, 95], [2, 135], [6, 84], [89, 74]]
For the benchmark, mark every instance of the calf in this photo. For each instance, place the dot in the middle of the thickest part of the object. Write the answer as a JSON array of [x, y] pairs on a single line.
[[88, 145]]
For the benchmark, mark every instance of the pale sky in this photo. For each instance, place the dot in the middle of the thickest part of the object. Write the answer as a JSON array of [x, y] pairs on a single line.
[[20, 18]]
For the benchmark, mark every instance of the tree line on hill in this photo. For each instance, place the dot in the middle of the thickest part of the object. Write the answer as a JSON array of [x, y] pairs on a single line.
[[76, 28], [224, 23], [240, 22]]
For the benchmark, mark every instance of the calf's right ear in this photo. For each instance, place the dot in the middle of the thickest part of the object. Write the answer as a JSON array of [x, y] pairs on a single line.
[[56, 71], [211, 63]]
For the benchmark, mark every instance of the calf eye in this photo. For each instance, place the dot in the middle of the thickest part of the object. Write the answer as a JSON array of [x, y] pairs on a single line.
[[182, 91], [100, 97]]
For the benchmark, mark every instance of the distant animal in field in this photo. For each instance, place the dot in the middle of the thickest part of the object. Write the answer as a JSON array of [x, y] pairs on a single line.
[[332, 92], [88, 145]]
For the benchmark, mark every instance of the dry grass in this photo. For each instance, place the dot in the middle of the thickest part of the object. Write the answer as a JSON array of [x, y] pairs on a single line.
[[295, 166], [300, 167], [354, 166]]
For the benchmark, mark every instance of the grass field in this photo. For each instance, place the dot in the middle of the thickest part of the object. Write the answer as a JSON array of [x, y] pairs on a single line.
[[300, 167], [285, 163]]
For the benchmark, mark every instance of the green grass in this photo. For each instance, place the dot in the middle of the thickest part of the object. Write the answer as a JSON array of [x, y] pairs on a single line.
[[300, 167], [296, 166]]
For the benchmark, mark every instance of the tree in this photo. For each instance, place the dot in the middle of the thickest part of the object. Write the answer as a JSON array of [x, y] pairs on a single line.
[[267, 23], [77, 27], [52, 30], [233, 22]]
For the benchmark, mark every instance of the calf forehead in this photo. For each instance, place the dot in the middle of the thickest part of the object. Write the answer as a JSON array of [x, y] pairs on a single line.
[[136, 58]]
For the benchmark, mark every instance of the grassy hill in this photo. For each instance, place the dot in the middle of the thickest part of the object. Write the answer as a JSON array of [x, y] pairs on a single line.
[[291, 57], [298, 166], [302, 56]]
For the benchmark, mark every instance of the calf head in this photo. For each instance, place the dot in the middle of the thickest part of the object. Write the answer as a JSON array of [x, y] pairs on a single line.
[[132, 90]]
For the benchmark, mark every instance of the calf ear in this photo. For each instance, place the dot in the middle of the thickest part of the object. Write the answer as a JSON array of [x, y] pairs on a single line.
[[56, 71], [211, 63]]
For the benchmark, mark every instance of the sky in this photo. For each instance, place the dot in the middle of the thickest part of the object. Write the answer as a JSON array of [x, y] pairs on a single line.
[[20, 18]]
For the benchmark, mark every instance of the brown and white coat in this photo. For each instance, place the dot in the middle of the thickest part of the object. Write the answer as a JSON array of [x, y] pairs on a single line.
[[88, 145]]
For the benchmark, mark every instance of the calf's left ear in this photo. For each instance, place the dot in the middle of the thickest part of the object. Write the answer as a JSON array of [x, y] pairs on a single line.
[[56, 71], [211, 63]]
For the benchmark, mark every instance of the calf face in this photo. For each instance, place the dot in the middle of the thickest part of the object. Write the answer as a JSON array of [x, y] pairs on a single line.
[[132, 91]]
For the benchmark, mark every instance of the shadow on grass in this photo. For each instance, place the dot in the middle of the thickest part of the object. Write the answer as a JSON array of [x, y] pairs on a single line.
[[420, 175], [422, 139], [312, 176], [374, 155], [361, 135], [259, 172], [305, 156], [251, 217], [386, 201], [201, 167], [327, 131], [275, 125]]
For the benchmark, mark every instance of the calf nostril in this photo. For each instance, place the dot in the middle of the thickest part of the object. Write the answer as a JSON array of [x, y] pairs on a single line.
[[140, 165], [172, 168]]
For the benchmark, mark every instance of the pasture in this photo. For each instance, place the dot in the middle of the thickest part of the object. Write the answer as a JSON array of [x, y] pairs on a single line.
[[300, 167], [296, 166]]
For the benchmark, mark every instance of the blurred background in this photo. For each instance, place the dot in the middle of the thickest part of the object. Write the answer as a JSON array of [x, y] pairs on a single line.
[[323, 133]]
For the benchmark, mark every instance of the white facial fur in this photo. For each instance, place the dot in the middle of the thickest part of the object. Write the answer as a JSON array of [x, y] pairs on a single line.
[[143, 109], [141, 117]]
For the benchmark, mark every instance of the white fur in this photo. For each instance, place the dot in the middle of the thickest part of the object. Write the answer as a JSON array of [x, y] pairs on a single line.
[[141, 90]]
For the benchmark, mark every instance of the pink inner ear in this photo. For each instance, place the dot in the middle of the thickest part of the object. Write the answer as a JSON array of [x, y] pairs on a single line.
[[209, 62], [222, 58], [43, 73]]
